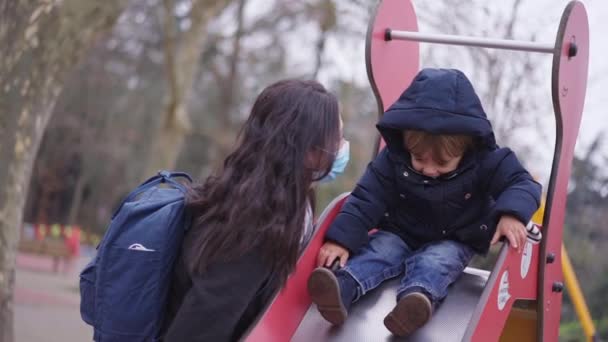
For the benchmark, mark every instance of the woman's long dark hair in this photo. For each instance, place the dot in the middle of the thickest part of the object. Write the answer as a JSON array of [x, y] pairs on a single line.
[[258, 199]]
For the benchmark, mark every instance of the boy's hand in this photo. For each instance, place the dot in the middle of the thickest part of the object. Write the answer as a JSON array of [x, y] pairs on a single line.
[[513, 229], [331, 251]]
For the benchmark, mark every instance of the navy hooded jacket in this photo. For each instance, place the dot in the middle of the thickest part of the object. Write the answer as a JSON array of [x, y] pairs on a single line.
[[464, 205]]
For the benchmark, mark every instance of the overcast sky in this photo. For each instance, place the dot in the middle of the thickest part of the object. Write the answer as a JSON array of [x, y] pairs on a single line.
[[595, 117]]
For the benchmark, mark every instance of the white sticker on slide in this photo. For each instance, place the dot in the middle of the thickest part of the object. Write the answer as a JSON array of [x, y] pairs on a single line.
[[503, 291], [526, 259]]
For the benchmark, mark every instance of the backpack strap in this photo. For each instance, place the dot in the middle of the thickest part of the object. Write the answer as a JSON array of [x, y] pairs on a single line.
[[168, 176], [163, 176]]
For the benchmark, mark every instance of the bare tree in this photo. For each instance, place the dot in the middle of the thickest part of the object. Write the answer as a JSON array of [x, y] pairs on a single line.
[[41, 42], [510, 84], [326, 18], [182, 53], [225, 74], [228, 89]]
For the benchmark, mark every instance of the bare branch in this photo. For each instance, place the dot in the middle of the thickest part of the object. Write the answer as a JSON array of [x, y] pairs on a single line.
[[169, 37], [229, 85]]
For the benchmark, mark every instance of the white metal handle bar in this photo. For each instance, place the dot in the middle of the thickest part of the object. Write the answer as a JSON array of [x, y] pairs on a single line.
[[472, 41]]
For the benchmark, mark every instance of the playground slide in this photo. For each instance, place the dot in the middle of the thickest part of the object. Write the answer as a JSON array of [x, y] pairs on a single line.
[[364, 322], [520, 300], [293, 317]]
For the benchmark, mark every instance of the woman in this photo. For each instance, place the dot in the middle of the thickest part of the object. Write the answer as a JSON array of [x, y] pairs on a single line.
[[248, 217]]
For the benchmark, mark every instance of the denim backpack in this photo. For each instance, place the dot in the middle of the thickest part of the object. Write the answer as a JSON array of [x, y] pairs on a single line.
[[124, 288]]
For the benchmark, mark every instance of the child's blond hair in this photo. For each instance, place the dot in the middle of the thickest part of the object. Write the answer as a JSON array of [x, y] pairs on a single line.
[[419, 142]]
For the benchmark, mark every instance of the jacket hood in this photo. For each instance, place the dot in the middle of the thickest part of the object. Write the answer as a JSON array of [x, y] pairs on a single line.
[[439, 101]]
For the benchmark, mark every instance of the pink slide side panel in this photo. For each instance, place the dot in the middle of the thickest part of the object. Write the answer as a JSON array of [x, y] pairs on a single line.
[[281, 320], [515, 276], [569, 85], [391, 65]]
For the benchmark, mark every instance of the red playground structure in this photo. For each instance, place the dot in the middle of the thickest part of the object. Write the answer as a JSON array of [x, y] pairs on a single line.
[[521, 298]]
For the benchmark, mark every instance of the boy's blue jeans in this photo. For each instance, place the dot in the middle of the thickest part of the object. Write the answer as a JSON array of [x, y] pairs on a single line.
[[431, 268]]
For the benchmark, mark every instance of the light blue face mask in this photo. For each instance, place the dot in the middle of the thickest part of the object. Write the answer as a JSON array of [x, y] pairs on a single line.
[[339, 165]]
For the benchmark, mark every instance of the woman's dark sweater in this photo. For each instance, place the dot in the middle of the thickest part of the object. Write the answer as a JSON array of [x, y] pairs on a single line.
[[219, 305]]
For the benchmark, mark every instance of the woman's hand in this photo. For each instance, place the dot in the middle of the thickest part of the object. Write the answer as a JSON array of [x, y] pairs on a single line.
[[331, 251], [513, 230]]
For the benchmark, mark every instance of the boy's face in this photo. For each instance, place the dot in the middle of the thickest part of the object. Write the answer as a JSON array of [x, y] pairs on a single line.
[[433, 166]]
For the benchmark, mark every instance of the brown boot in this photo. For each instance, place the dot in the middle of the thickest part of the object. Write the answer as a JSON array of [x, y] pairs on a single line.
[[411, 312], [324, 290]]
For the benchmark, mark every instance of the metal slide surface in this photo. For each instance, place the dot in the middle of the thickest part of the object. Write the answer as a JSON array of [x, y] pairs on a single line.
[[364, 322]]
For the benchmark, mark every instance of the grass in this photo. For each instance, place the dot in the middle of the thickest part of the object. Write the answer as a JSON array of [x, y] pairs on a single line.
[[573, 332]]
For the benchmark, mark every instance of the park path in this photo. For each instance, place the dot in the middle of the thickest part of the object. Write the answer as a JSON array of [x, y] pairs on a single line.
[[47, 304]]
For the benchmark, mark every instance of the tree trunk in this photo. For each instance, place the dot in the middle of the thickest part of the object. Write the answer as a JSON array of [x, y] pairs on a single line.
[[77, 195], [223, 138], [41, 42], [327, 19], [181, 62]]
